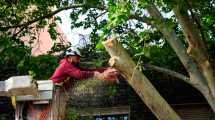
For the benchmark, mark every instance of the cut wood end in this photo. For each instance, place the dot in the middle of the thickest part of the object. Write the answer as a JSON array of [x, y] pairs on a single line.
[[112, 61], [109, 42]]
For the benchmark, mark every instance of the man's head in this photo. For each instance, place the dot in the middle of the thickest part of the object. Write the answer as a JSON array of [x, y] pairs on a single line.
[[73, 55]]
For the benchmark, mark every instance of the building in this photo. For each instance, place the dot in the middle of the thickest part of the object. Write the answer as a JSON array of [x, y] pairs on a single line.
[[41, 42]]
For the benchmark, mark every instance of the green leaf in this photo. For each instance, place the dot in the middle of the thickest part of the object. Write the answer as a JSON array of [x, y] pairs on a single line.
[[99, 45]]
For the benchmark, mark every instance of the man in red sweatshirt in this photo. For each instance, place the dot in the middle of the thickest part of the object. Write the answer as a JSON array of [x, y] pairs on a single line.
[[68, 68], [66, 72]]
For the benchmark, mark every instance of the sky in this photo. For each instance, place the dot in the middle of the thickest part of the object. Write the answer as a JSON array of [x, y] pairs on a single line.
[[71, 34]]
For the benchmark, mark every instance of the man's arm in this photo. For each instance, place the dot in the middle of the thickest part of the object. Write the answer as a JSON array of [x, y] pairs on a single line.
[[77, 73], [80, 74], [102, 69]]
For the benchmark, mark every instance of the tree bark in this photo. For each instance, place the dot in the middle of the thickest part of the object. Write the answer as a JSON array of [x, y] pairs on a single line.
[[123, 62], [196, 78], [197, 48]]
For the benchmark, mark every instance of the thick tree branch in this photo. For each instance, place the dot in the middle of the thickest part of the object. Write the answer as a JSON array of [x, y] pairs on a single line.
[[167, 71], [196, 77], [196, 19], [50, 15], [197, 48], [121, 60]]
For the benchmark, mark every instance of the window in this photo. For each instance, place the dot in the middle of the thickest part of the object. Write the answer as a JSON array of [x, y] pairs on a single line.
[[108, 113]]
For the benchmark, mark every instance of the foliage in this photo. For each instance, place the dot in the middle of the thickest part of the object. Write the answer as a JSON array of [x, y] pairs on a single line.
[[72, 114], [12, 52], [40, 65], [122, 18], [2, 117], [16, 59]]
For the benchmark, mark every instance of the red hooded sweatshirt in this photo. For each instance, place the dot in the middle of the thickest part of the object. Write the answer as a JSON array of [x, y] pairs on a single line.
[[67, 69]]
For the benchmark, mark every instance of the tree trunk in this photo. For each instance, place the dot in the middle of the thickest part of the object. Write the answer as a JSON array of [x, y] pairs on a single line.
[[123, 62], [197, 48], [197, 80]]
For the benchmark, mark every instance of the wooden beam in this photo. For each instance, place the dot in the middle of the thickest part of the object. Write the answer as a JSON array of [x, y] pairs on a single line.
[[45, 92], [45, 85], [18, 85], [42, 95]]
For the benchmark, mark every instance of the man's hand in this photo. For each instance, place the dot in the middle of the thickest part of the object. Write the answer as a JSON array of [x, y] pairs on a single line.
[[99, 75], [109, 75]]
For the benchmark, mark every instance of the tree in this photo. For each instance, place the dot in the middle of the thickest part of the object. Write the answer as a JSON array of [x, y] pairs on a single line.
[[195, 58], [196, 55]]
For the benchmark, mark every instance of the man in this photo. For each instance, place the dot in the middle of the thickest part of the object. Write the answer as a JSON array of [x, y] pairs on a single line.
[[67, 71], [68, 68]]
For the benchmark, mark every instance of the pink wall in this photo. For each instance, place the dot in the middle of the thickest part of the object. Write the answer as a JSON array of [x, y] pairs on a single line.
[[43, 42]]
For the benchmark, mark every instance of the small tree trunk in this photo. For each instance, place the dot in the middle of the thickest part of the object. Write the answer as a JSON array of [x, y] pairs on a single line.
[[121, 60]]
